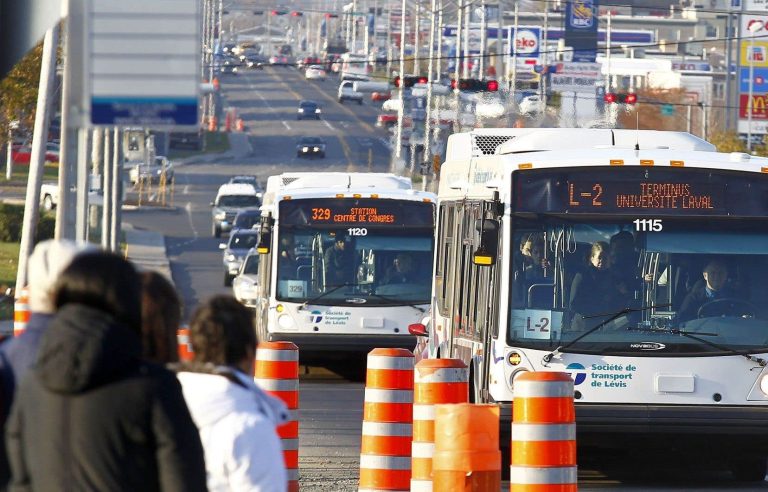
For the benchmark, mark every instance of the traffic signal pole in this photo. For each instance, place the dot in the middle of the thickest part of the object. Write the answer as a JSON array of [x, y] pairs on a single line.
[[430, 81]]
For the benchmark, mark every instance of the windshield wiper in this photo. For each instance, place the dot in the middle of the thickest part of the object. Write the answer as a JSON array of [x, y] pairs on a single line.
[[323, 294], [695, 336], [611, 316], [394, 302]]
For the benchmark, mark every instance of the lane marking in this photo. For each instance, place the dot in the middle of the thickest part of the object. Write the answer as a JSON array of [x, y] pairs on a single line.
[[325, 122], [188, 208], [287, 127]]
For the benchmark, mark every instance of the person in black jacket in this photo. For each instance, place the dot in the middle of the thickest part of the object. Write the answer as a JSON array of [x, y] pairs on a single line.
[[593, 291], [91, 414], [715, 286]]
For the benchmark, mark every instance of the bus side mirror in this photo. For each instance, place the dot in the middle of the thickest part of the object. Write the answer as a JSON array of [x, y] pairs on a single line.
[[486, 252], [418, 329], [265, 235]]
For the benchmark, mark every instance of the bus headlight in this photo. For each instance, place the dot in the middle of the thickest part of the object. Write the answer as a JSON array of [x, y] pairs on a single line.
[[764, 384], [285, 321]]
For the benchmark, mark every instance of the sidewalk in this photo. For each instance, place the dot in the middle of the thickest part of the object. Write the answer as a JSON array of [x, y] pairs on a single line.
[[239, 148], [146, 249]]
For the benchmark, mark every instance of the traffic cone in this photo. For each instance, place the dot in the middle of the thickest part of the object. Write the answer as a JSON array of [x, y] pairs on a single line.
[[277, 373], [21, 311], [543, 434], [186, 353]]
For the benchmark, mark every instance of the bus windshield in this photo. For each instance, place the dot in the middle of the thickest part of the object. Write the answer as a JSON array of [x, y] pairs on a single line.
[[640, 284], [386, 266], [380, 257]]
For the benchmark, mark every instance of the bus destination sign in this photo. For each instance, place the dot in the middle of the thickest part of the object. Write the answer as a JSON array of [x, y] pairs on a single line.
[[356, 212], [351, 215], [636, 196]]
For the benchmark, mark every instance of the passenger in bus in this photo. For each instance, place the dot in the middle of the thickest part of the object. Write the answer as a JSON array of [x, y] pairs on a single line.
[[538, 269], [623, 262], [593, 290], [715, 286], [403, 271], [286, 263], [339, 269]]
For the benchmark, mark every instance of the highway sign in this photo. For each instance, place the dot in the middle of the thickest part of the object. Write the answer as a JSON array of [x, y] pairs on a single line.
[[142, 63]]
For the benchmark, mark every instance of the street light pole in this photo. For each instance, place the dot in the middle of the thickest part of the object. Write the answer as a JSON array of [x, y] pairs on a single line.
[[753, 27]]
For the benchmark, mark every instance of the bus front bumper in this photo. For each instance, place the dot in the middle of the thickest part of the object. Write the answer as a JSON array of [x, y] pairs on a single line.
[[341, 345]]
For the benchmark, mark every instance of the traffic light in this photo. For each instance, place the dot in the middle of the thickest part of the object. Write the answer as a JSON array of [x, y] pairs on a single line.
[[475, 85], [331, 16], [296, 13], [620, 97], [279, 12], [410, 80]]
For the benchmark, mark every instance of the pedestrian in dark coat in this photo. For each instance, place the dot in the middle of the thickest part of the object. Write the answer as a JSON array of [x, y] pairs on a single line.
[[91, 415]]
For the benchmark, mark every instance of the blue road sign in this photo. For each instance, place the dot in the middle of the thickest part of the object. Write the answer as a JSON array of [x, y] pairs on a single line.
[[760, 82]]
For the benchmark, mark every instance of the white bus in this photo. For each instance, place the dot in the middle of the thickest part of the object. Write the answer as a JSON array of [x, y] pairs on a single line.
[[345, 263], [354, 67], [635, 261]]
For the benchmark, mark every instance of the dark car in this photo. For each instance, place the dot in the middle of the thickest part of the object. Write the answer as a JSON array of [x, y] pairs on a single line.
[[308, 109], [246, 219], [310, 147], [255, 60]]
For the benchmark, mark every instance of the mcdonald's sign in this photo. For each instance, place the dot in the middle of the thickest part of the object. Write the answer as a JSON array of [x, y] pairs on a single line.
[[759, 106]]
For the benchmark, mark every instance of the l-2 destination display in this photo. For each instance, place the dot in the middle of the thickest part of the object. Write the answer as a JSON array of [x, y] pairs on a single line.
[[645, 196]]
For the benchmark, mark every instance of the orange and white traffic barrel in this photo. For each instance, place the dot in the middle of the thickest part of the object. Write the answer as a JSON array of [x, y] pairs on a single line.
[[543, 445], [186, 353], [21, 311], [467, 456], [385, 454], [277, 373], [435, 381]]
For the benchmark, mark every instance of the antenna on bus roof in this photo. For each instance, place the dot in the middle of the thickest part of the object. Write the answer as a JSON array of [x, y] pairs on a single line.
[[349, 181], [637, 130], [613, 138]]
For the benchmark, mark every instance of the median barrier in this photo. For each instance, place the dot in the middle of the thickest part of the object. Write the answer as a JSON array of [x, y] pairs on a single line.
[[543, 444], [435, 381], [277, 373], [385, 454], [21, 311], [467, 456]]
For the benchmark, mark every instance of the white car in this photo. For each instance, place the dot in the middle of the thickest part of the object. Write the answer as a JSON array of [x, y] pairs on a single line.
[[315, 72], [348, 93], [531, 105], [244, 284]]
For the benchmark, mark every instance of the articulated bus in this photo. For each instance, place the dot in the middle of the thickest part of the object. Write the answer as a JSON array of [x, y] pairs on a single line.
[[635, 261], [345, 262]]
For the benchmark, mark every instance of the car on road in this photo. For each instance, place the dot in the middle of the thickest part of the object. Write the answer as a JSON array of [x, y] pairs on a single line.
[[231, 199], [347, 92], [279, 60], [531, 105], [310, 147], [245, 283], [248, 179], [235, 250], [386, 119], [152, 173], [21, 154], [380, 96], [229, 66], [308, 109], [255, 61], [315, 72], [246, 219]]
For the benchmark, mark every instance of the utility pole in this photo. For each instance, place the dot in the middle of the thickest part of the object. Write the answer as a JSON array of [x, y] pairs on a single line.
[[513, 46], [483, 40], [37, 157], [546, 56], [440, 28], [501, 55], [401, 110], [728, 48], [389, 38], [116, 193], [354, 27], [458, 63], [467, 31], [107, 204], [416, 40], [430, 81], [64, 205]]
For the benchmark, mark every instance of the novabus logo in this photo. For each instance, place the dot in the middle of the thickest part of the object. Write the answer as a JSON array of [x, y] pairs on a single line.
[[647, 346]]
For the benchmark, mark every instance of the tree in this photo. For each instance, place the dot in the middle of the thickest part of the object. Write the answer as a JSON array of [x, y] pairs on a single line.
[[728, 141], [647, 113], [18, 92]]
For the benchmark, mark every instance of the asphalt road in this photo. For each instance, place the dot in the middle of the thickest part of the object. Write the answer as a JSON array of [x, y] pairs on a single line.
[[331, 407]]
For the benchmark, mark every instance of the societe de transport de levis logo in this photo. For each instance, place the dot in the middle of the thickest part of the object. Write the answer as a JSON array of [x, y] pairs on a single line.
[[316, 317], [577, 372]]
